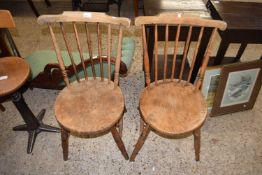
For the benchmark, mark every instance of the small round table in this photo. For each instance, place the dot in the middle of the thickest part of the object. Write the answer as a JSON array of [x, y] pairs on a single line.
[[17, 71]]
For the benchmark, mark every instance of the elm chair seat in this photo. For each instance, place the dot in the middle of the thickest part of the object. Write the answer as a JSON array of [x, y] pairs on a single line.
[[97, 107], [181, 109]]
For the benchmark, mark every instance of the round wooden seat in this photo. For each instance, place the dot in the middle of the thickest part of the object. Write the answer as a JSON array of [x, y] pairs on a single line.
[[173, 108], [89, 107]]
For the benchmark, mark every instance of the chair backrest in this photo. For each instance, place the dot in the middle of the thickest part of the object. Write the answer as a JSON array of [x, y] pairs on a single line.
[[6, 19], [93, 25], [176, 20]]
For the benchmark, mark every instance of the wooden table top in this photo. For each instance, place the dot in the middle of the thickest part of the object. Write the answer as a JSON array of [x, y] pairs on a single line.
[[240, 15], [155, 7], [17, 70]]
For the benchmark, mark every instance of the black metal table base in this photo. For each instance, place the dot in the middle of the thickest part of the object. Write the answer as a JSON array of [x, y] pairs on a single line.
[[34, 125]]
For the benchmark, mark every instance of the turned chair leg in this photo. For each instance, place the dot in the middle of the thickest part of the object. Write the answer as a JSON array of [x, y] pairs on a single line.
[[119, 142], [140, 142], [197, 137], [64, 138]]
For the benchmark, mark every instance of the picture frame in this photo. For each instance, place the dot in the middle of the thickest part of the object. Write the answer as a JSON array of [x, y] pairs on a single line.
[[210, 84], [238, 87]]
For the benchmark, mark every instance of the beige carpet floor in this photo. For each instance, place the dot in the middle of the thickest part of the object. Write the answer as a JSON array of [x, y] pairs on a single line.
[[231, 144]]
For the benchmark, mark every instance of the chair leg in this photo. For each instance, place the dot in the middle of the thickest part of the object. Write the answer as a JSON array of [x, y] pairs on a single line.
[[119, 142], [120, 127], [197, 137], [142, 125], [140, 142], [64, 138]]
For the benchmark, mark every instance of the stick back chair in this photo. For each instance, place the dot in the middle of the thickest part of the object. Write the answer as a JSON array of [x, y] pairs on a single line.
[[172, 106], [93, 105]]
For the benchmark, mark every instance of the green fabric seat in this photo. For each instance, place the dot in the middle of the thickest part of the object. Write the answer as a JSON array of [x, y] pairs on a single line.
[[39, 59]]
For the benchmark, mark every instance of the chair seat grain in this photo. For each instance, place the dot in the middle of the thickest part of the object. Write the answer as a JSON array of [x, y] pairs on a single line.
[[181, 109], [97, 107]]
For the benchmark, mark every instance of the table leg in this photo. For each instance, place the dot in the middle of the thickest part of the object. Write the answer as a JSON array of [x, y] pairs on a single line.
[[33, 125], [75, 4], [221, 51], [33, 7], [240, 52], [48, 3]]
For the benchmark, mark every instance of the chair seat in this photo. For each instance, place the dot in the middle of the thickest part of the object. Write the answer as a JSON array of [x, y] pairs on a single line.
[[90, 107], [173, 107]]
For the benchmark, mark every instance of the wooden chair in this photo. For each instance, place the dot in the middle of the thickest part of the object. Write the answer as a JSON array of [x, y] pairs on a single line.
[[173, 106], [93, 105]]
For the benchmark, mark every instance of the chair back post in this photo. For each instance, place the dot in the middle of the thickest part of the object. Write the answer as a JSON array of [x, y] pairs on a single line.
[[206, 59], [171, 19], [146, 58], [76, 19]]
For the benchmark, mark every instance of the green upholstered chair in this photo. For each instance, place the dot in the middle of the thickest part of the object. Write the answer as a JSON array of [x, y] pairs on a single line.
[[45, 72]]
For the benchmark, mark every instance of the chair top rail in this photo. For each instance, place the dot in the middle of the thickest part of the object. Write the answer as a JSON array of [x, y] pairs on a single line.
[[176, 19], [6, 19], [92, 17]]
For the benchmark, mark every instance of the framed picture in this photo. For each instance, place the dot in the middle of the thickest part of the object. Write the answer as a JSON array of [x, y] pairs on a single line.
[[238, 87], [210, 84]]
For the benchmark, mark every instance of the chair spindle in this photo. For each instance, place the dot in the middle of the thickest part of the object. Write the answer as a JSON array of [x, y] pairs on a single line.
[[195, 53], [175, 51], [99, 40], [80, 51], [206, 58], [185, 52], [165, 50], [146, 58], [69, 50], [109, 51], [90, 50], [156, 54]]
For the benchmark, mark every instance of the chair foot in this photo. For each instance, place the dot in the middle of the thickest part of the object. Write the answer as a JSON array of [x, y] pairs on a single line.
[[140, 142], [64, 138], [119, 142], [197, 137]]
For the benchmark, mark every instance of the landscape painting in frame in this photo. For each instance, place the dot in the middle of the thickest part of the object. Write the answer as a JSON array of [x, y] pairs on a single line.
[[238, 87], [210, 84]]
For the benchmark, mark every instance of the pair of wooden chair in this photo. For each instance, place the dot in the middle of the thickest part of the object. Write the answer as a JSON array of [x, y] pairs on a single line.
[[94, 105]]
